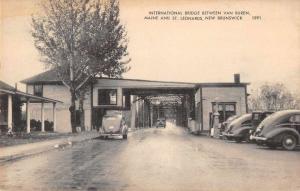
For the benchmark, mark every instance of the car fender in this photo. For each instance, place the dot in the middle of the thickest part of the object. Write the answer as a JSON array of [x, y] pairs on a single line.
[[279, 131], [243, 130]]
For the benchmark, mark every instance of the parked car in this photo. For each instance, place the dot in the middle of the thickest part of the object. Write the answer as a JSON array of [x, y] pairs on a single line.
[[224, 125], [243, 133], [113, 124], [280, 129], [161, 122], [233, 131]]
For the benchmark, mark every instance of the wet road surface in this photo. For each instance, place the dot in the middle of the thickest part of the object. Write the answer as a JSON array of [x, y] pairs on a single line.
[[156, 159]]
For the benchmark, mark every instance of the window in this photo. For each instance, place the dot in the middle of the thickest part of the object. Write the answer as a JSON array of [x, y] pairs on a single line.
[[107, 97], [255, 116], [225, 110], [38, 90], [295, 119]]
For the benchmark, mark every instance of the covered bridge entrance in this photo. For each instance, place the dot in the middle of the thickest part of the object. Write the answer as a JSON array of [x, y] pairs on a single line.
[[188, 104], [143, 102]]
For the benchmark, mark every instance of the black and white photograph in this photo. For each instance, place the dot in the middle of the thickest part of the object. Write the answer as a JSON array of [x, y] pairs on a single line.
[[160, 95]]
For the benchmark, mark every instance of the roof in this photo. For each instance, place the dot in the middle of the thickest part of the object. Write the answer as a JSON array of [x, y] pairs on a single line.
[[50, 77], [136, 83], [44, 77], [5, 88], [222, 84], [35, 99]]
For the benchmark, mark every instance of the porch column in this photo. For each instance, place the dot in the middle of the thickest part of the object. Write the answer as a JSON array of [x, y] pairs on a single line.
[[9, 112], [151, 116], [28, 116], [43, 117], [143, 113], [133, 112], [54, 117]]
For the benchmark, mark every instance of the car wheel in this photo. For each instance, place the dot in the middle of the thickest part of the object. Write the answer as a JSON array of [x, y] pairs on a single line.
[[125, 136], [271, 146], [247, 138], [289, 142], [238, 140]]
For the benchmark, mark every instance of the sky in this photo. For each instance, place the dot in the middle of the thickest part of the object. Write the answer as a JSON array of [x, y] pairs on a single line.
[[263, 50]]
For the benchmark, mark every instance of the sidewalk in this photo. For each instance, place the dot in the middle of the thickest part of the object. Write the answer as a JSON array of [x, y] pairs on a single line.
[[23, 150]]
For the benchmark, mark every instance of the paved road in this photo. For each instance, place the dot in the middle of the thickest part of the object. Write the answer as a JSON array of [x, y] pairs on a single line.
[[156, 159]]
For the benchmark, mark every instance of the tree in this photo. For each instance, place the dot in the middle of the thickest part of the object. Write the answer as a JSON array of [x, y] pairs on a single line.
[[273, 97], [80, 40]]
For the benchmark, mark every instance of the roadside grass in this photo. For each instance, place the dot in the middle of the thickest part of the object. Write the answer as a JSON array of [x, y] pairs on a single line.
[[25, 138]]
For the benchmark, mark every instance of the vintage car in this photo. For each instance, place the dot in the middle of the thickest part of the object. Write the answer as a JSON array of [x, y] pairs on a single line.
[[243, 133], [113, 124], [161, 122], [280, 129], [232, 133], [224, 125]]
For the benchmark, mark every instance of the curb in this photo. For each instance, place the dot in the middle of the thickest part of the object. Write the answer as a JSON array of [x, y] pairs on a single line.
[[21, 151]]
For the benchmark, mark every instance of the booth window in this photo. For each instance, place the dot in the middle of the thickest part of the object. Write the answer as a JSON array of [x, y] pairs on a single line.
[[107, 97], [225, 109], [38, 90]]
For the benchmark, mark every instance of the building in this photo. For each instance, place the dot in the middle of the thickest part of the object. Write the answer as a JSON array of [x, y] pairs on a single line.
[[192, 103], [11, 100]]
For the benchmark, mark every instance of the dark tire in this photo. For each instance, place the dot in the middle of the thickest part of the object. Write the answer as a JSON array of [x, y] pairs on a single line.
[[125, 136], [289, 142], [272, 146], [238, 140], [247, 138]]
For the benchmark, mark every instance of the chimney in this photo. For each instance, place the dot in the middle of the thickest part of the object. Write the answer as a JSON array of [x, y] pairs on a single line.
[[16, 86], [237, 78]]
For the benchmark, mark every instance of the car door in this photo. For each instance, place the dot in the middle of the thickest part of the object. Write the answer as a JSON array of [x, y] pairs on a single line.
[[296, 122]]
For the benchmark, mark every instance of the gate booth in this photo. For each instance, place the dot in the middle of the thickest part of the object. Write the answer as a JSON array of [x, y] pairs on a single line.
[[138, 100]]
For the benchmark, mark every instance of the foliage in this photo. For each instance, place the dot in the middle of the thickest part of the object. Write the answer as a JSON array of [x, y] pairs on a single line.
[[81, 39], [273, 97], [37, 125], [18, 124]]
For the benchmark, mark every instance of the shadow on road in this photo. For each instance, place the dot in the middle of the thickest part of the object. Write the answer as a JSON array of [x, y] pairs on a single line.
[[110, 138], [277, 149]]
